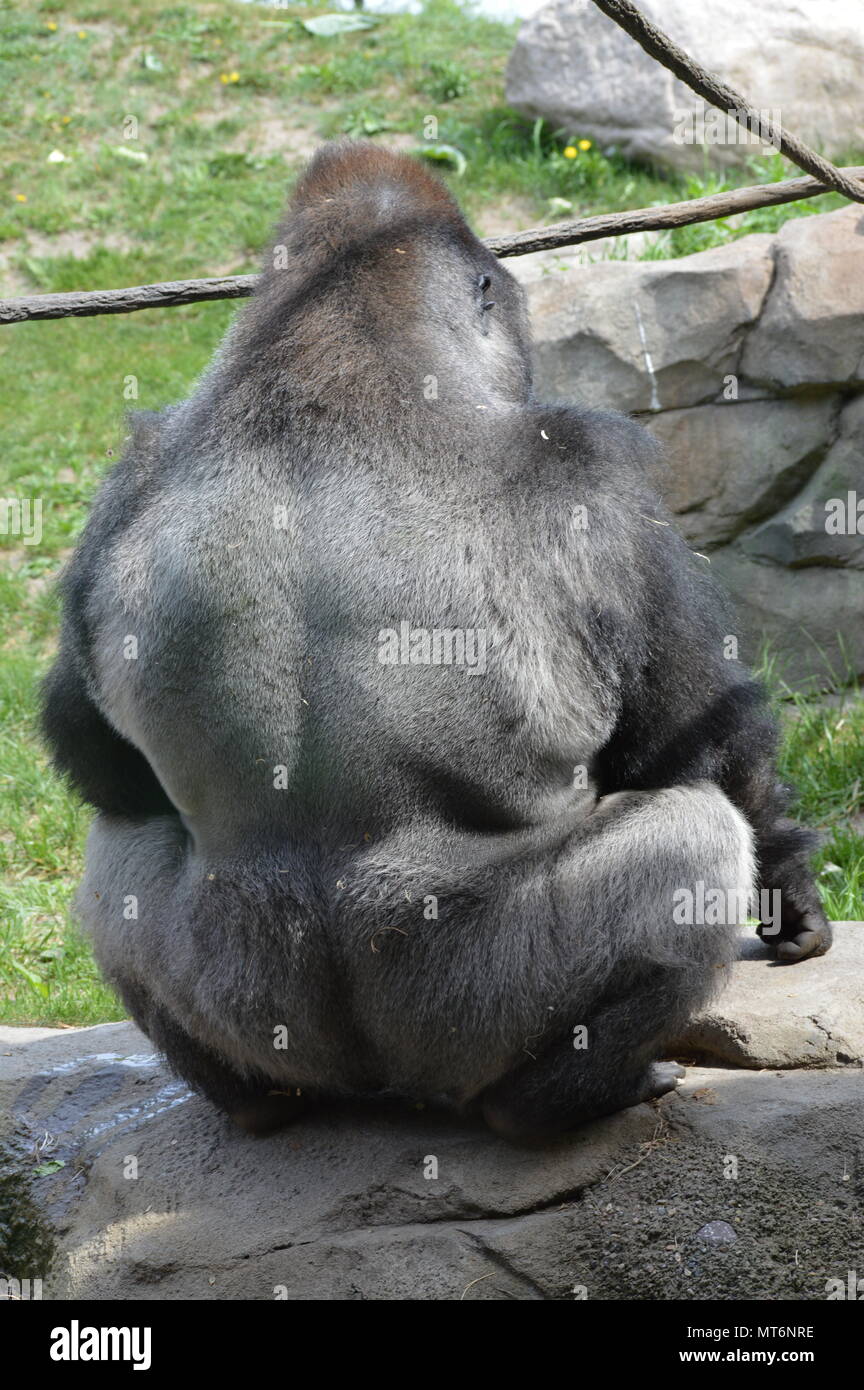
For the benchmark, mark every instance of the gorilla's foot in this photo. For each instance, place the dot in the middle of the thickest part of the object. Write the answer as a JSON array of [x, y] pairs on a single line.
[[523, 1123], [660, 1078], [261, 1115]]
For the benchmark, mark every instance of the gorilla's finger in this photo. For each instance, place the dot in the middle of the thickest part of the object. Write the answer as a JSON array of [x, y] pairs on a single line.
[[820, 927], [806, 943], [788, 951]]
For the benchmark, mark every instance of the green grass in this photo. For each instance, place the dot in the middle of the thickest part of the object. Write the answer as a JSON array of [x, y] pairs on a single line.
[[220, 156], [219, 151], [823, 758], [47, 974]]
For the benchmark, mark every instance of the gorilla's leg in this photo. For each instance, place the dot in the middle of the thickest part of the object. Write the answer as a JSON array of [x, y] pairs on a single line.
[[565, 1088], [160, 968], [251, 1101], [647, 970]]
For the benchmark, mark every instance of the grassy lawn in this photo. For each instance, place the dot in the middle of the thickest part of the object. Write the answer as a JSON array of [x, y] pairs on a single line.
[[180, 129]]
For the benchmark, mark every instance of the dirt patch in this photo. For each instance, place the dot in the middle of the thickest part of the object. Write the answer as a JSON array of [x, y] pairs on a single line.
[[507, 215], [273, 134], [77, 243]]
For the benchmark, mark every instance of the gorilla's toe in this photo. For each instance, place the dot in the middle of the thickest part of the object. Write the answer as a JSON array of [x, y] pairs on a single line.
[[813, 938], [661, 1078], [806, 943]]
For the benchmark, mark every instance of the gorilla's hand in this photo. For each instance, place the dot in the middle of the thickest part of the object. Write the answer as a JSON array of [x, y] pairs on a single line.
[[801, 934]]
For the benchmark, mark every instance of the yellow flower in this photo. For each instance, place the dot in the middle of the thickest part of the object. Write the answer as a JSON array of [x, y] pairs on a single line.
[[234, 77], [584, 144], [82, 33], [570, 152], [65, 120], [51, 25], [20, 197], [223, 77]]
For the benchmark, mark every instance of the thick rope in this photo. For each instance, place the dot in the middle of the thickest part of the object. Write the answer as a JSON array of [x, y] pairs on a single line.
[[85, 303]]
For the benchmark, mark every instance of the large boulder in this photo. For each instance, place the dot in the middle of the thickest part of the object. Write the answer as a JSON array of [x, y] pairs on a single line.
[[777, 1017], [734, 464], [819, 527], [743, 1179], [747, 363], [810, 618], [598, 327], [799, 60], [811, 326]]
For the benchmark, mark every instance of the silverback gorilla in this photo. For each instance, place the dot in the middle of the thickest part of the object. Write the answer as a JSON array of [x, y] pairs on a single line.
[[406, 715]]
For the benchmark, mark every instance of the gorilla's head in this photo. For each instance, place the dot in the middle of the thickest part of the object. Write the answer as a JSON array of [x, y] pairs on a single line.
[[375, 287]]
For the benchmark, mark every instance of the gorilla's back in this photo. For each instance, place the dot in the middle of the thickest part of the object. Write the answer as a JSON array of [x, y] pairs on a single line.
[[330, 655]]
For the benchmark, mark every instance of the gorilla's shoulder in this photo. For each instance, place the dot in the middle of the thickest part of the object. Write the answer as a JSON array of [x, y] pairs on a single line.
[[142, 460], [126, 487], [602, 446], [591, 435], [141, 446]]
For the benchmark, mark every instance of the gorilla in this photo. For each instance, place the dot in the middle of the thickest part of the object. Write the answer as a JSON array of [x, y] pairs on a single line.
[[410, 723]]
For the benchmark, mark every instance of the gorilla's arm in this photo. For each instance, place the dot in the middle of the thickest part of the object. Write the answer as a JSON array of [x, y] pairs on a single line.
[[104, 768], [691, 712]]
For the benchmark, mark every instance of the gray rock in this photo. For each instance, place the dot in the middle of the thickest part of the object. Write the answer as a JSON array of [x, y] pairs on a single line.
[[573, 66], [746, 376], [811, 327], [810, 617], [591, 344], [732, 464], [339, 1206], [821, 526], [777, 1016], [737, 371], [158, 1197], [717, 1233]]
